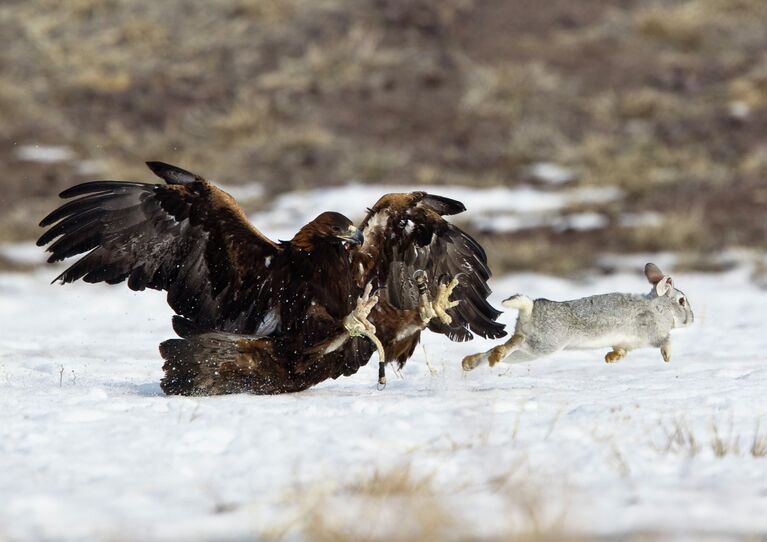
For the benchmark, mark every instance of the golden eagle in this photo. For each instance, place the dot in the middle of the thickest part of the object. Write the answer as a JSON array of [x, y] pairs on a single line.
[[264, 317]]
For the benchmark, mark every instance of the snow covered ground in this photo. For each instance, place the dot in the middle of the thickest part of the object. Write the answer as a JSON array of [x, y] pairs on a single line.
[[91, 449]]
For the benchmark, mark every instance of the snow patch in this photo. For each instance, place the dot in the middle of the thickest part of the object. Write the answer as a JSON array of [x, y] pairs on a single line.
[[551, 173], [243, 192], [641, 220], [91, 167], [23, 253], [582, 222], [44, 154]]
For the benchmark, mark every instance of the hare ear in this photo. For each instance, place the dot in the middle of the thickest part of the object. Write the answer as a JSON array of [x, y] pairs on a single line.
[[653, 273], [664, 286]]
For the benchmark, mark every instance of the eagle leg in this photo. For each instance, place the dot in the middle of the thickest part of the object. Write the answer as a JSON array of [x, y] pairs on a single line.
[[437, 308], [381, 375], [425, 309], [358, 325]]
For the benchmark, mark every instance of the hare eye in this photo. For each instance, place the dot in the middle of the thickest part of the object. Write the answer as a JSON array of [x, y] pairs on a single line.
[[681, 301]]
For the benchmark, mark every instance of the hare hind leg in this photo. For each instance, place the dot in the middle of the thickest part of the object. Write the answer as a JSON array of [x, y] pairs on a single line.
[[494, 355]]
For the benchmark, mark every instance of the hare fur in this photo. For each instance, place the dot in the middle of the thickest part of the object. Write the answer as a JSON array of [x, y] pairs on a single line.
[[619, 321]]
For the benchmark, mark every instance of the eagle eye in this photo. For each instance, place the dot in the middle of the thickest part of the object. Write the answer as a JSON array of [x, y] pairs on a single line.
[[681, 301]]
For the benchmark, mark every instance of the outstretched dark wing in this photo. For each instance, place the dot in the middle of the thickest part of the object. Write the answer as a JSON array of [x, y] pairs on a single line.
[[405, 233], [186, 237]]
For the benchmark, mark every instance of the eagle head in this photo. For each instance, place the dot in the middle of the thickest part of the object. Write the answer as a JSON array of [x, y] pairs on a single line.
[[327, 228]]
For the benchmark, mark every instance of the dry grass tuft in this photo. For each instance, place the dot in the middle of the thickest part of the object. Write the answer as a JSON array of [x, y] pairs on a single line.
[[758, 443], [682, 231], [724, 445], [396, 482], [392, 505], [685, 26], [643, 164], [679, 438], [353, 61], [8, 265], [398, 505], [696, 24]]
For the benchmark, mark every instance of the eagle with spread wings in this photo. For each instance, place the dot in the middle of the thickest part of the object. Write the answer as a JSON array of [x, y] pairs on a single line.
[[259, 316]]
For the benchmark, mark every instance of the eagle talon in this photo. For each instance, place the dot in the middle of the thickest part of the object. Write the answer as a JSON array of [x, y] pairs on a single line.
[[427, 313], [425, 309], [437, 308], [357, 324], [443, 301]]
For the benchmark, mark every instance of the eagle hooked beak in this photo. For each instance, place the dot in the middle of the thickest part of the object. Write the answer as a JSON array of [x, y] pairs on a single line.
[[353, 236]]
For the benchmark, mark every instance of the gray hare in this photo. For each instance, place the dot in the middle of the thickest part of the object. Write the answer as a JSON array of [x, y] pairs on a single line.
[[620, 321]]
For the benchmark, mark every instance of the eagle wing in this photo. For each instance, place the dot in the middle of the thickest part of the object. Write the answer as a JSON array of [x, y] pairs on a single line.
[[405, 233], [186, 237]]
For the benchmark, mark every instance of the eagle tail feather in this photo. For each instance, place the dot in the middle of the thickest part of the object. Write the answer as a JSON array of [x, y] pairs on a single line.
[[211, 362], [198, 366]]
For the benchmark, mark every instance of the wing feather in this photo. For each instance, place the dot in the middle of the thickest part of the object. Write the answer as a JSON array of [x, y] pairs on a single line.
[[405, 233], [186, 237]]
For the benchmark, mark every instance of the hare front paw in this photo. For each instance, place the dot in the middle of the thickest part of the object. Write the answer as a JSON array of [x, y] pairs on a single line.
[[499, 353], [471, 362], [617, 354], [496, 355], [491, 357]]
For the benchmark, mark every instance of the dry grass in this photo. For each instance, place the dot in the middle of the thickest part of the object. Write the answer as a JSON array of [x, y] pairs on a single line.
[[394, 505], [682, 231], [700, 24], [724, 441], [10, 265], [399, 505], [536, 249], [642, 164], [723, 445], [679, 439], [396, 482], [758, 443]]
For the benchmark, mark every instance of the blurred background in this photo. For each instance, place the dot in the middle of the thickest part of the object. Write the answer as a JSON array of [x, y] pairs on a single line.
[[648, 118]]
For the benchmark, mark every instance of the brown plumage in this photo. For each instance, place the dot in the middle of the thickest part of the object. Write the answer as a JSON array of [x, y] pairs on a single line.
[[264, 317], [405, 233]]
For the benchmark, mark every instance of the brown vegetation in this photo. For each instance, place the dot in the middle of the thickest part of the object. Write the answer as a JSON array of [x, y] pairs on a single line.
[[398, 505], [665, 99]]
